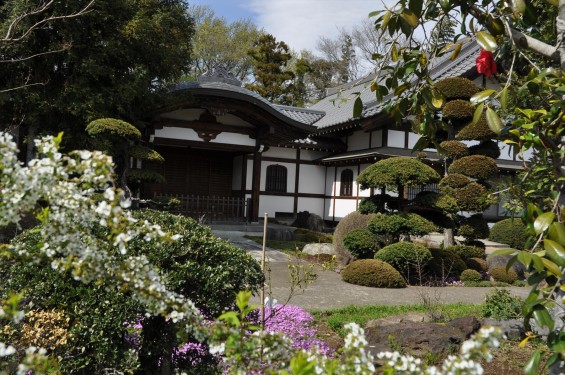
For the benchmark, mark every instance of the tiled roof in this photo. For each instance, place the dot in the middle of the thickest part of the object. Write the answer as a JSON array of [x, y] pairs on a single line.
[[303, 115], [342, 112]]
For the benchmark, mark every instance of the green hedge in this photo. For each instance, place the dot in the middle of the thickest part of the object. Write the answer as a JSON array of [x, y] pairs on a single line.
[[501, 274], [396, 224], [372, 273], [466, 252], [511, 232], [406, 257], [361, 243]]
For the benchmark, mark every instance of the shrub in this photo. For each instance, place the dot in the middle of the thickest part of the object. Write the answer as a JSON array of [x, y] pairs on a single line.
[[471, 275], [456, 88], [486, 284], [458, 110], [466, 252], [394, 225], [487, 148], [442, 202], [373, 273], [454, 149], [500, 274], [471, 197], [308, 235], [475, 166], [477, 264], [445, 264], [407, 257], [476, 243], [501, 305], [454, 181], [111, 127], [511, 232], [377, 203], [473, 227], [354, 220], [361, 243], [392, 172], [476, 132]]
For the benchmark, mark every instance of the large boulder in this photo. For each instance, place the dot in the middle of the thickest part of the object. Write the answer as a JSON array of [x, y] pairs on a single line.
[[502, 260], [513, 329], [310, 221], [468, 325], [319, 248]]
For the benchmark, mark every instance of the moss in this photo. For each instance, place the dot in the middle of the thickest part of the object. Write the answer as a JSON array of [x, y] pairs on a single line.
[[392, 172], [475, 166], [477, 264], [476, 132], [473, 227], [466, 252], [361, 243], [459, 111], [113, 127], [445, 264], [354, 220], [500, 274], [511, 232], [372, 273], [406, 257], [454, 149], [487, 148], [471, 275], [454, 181], [456, 88]]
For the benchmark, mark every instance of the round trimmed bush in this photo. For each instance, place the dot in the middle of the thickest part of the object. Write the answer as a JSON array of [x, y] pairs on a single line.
[[445, 264], [354, 220], [476, 132], [487, 148], [405, 256], [511, 232], [457, 88], [473, 227], [477, 264], [458, 110], [392, 172], [372, 273], [471, 275], [111, 127], [454, 149], [454, 181], [500, 274], [397, 224], [471, 197], [475, 166], [466, 252], [361, 243]]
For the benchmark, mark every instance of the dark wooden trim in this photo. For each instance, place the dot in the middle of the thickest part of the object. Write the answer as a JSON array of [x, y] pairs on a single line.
[[334, 194], [159, 141], [286, 160], [325, 190], [277, 194], [358, 172], [255, 186], [406, 139], [384, 142], [296, 182], [205, 126], [336, 197], [243, 173], [370, 139]]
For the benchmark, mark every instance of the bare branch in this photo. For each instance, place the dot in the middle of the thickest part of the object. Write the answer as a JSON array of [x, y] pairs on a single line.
[[534, 45], [36, 55]]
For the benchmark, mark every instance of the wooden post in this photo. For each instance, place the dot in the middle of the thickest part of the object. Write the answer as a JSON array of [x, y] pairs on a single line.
[[255, 186], [263, 270]]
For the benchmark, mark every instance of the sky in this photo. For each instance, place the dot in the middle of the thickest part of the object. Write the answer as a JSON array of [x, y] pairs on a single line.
[[299, 23]]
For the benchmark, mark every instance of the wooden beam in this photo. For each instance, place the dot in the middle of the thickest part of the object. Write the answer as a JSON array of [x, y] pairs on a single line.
[[205, 126], [296, 182], [255, 186], [159, 141]]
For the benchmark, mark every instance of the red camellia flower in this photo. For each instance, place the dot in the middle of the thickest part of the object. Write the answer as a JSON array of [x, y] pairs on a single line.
[[485, 63]]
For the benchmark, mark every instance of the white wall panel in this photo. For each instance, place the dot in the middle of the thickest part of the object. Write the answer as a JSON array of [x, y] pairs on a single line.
[[359, 140], [396, 138], [249, 180], [312, 205], [177, 133], [344, 207], [273, 204], [330, 180], [234, 139], [311, 179], [310, 155]]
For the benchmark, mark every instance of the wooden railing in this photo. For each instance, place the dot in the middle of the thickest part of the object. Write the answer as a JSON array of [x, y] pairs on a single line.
[[209, 208]]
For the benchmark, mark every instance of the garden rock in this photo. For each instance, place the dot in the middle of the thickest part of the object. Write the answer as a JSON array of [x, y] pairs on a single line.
[[319, 248], [395, 319], [416, 338], [310, 221], [468, 325], [513, 329], [502, 260]]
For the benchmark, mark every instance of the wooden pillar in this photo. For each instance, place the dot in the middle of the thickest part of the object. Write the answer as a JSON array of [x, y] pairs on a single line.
[[296, 182], [255, 186]]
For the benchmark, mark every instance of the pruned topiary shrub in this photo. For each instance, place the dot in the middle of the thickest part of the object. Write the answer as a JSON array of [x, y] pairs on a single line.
[[111, 127], [454, 181], [457, 88], [466, 252], [354, 220], [476, 132], [454, 149], [392, 226], [500, 274], [458, 110], [477, 264], [487, 148], [471, 197], [475, 166], [471, 275], [406, 257], [373, 273], [511, 232], [392, 172], [473, 227], [435, 200], [445, 264], [361, 243], [377, 203]]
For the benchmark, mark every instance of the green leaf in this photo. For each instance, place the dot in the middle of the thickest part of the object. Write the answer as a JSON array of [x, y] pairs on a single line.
[[493, 121], [531, 367], [357, 107], [524, 257], [486, 41], [437, 99], [555, 252], [386, 19], [416, 7], [551, 267], [543, 221], [422, 143], [231, 318], [456, 51], [519, 6], [542, 317], [504, 99], [242, 299], [501, 252], [482, 96], [557, 232], [409, 17], [394, 53], [478, 113]]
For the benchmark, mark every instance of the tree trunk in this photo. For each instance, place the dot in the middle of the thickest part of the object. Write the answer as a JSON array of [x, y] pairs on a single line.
[[448, 237], [30, 150]]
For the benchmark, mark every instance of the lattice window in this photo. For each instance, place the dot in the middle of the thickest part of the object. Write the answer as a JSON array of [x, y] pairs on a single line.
[[346, 187], [276, 178]]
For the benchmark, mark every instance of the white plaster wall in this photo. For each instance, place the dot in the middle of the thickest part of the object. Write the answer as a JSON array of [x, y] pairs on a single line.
[[343, 207], [187, 114], [234, 139], [330, 181], [313, 155], [377, 139], [328, 209], [506, 152], [290, 175], [281, 152], [237, 171], [413, 138], [527, 155], [311, 179], [177, 133], [312, 205], [272, 204], [359, 140], [366, 192], [249, 179], [395, 138]]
